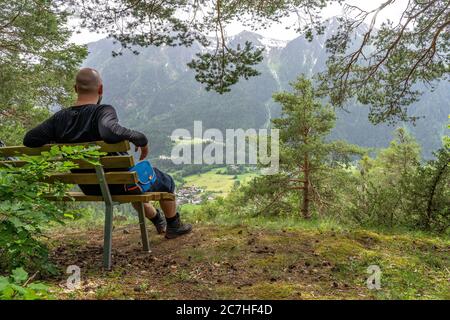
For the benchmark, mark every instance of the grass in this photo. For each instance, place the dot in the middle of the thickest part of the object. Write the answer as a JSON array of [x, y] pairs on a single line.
[[196, 214], [233, 257], [218, 183]]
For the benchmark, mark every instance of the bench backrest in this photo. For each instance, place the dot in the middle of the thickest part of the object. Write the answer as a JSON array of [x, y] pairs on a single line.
[[123, 146], [108, 162]]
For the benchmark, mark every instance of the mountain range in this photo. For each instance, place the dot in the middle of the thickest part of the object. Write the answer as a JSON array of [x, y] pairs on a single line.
[[155, 92]]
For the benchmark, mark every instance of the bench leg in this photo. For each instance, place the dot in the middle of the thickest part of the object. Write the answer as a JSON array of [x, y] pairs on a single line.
[[143, 226], [107, 241]]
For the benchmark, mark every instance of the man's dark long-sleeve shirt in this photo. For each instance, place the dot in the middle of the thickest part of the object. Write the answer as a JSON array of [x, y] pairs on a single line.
[[85, 123]]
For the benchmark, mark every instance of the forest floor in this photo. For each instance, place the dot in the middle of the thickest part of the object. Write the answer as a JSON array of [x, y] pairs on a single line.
[[236, 261]]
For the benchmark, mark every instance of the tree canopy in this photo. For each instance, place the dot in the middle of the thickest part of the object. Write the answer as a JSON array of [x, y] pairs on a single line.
[[182, 22], [387, 66], [383, 70], [37, 63]]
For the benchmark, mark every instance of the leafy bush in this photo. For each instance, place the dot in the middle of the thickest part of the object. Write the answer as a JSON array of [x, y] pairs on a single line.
[[429, 195], [397, 190], [24, 210], [18, 286]]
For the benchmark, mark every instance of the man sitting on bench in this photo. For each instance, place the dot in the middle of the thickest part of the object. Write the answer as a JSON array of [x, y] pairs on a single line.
[[88, 120]]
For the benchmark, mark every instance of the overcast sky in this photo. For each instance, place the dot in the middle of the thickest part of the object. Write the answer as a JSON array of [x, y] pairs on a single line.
[[278, 31]]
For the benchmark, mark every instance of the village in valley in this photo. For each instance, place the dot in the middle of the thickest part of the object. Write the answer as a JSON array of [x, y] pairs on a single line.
[[192, 195]]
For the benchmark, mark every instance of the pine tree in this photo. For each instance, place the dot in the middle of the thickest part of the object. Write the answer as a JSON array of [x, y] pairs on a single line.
[[304, 152]]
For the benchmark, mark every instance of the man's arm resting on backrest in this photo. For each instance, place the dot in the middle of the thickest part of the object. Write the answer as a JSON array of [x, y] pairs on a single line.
[[40, 135], [112, 132]]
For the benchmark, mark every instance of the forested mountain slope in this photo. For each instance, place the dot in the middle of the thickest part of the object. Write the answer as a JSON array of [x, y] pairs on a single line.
[[156, 92]]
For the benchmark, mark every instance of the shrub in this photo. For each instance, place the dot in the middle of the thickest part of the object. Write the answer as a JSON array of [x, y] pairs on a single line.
[[24, 211], [18, 286], [429, 205]]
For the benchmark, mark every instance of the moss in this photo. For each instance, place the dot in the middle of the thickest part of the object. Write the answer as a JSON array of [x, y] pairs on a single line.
[[110, 291], [277, 261], [409, 269], [195, 254], [367, 238], [340, 250], [263, 290], [180, 276], [410, 283]]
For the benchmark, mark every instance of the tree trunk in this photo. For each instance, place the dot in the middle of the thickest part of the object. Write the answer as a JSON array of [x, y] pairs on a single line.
[[306, 187], [435, 182]]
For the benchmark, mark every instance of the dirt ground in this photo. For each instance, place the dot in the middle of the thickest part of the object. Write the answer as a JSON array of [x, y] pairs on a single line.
[[218, 262]]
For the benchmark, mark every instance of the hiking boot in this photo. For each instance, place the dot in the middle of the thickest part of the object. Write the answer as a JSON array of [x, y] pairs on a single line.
[[175, 228], [159, 221]]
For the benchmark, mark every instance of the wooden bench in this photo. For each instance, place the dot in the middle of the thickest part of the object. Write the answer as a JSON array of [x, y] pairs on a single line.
[[101, 178]]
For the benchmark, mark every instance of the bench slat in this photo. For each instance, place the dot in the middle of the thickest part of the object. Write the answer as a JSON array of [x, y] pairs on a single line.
[[108, 162], [91, 178], [104, 147], [146, 197]]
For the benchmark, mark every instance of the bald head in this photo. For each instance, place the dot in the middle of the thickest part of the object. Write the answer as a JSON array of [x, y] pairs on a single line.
[[88, 82]]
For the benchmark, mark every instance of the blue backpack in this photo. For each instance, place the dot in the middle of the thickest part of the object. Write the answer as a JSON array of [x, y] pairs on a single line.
[[146, 177]]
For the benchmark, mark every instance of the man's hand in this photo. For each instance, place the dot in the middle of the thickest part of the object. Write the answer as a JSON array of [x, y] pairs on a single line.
[[144, 152]]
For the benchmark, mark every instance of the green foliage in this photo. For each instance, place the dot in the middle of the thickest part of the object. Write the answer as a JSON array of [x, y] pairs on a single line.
[[221, 74], [24, 212], [396, 190], [306, 156], [37, 64], [383, 69], [267, 196], [429, 193], [383, 183], [18, 286], [392, 190], [447, 138], [304, 125], [235, 170], [147, 23]]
